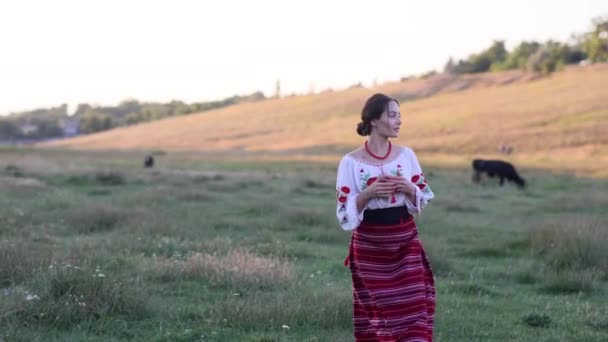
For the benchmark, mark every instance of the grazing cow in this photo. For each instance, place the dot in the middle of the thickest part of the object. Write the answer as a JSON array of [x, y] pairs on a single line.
[[149, 161], [502, 169]]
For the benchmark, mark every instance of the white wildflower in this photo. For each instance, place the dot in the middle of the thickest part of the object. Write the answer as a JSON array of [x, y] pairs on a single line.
[[98, 273], [30, 297]]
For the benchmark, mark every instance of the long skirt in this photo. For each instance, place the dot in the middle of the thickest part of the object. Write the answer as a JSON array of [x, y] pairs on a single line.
[[393, 286]]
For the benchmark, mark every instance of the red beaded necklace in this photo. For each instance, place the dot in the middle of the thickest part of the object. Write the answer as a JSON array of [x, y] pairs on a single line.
[[376, 156]]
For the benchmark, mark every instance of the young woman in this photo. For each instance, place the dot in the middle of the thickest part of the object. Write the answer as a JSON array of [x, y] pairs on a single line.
[[380, 187]]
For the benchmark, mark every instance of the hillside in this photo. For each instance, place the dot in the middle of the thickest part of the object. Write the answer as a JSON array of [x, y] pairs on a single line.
[[558, 122]]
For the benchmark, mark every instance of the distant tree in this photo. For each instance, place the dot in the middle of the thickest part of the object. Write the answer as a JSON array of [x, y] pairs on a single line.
[[129, 106], [480, 63], [132, 119], [82, 108], [571, 54], [449, 67], [494, 58], [93, 121], [596, 41], [518, 58], [178, 108], [547, 58], [497, 53], [462, 67], [48, 129], [8, 129]]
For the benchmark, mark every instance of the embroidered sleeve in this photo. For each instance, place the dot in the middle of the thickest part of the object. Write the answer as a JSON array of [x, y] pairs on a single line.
[[347, 192], [424, 194]]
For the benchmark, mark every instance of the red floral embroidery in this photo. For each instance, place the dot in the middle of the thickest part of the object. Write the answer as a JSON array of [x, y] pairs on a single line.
[[342, 193], [371, 181], [420, 182]]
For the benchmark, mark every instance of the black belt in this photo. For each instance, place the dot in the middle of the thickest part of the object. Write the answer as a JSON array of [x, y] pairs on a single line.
[[392, 215]]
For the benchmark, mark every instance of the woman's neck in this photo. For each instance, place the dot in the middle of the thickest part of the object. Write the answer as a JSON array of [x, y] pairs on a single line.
[[378, 145]]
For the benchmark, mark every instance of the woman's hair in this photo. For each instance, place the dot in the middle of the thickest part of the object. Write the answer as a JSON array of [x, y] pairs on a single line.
[[372, 110]]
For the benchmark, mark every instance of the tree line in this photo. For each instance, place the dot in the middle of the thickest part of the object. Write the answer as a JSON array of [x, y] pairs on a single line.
[[550, 56], [49, 123]]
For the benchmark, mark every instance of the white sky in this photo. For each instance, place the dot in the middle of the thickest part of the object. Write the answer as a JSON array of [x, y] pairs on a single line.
[[104, 51]]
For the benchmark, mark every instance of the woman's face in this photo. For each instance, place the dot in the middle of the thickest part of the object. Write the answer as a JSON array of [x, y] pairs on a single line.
[[389, 123]]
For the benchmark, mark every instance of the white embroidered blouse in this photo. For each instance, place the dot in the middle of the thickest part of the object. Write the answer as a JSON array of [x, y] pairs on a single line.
[[355, 175]]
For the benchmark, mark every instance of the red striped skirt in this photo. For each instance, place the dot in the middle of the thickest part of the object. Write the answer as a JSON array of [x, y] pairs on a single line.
[[393, 287]]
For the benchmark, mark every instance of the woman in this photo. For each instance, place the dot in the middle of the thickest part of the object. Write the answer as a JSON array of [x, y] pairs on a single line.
[[379, 189]]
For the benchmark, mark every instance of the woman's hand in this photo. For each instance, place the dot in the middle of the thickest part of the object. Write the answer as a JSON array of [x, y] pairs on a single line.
[[380, 188], [402, 185]]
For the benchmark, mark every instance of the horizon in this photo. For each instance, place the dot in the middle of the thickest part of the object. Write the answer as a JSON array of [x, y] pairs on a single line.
[[103, 53]]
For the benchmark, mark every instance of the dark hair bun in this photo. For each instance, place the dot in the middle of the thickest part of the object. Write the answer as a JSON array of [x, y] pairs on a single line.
[[363, 128]]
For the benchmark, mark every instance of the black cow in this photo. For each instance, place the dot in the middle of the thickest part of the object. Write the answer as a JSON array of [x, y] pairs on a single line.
[[502, 169], [149, 161]]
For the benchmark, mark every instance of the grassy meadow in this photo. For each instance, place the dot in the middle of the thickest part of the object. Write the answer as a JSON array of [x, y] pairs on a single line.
[[208, 247]]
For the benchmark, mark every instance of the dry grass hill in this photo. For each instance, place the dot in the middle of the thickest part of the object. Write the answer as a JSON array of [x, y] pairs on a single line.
[[558, 122]]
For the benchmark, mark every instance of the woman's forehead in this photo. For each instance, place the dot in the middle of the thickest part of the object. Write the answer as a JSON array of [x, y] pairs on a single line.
[[393, 107]]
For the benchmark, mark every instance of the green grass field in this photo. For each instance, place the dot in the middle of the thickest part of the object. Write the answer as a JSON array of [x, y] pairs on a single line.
[[95, 248]]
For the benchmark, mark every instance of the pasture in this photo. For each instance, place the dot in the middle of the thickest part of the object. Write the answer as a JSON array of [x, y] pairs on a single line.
[[203, 247]]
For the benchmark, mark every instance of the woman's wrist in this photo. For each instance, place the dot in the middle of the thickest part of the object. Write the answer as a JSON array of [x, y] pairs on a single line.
[[365, 196], [362, 200]]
